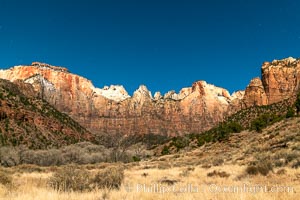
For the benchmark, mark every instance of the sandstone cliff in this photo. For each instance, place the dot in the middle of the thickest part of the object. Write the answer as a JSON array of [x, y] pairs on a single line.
[[194, 109]]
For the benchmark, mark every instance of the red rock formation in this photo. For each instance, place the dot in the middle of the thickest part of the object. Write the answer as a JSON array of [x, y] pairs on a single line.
[[195, 109], [112, 110], [255, 93], [281, 78]]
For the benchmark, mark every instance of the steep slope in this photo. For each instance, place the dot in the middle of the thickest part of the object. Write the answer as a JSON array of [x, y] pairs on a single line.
[[111, 110], [27, 120]]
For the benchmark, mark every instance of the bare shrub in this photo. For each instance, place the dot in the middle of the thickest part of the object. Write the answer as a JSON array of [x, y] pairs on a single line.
[[251, 170], [84, 153], [9, 156], [29, 168], [263, 168], [221, 174], [186, 172], [284, 157], [71, 154], [5, 179], [218, 161], [206, 166], [164, 165], [296, 164], [281, 172], [167, 181], [109, 178], [69, 178], [145, 174], [42, 157]]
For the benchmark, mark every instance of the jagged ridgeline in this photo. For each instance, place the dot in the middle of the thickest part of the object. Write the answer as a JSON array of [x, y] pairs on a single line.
[[27, 120]]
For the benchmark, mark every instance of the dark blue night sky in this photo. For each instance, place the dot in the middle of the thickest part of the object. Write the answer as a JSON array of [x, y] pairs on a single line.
[[162, 44]]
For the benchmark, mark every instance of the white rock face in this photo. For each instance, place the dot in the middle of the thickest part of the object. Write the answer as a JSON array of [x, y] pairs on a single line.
[[40, 79], [238, 94], [142, 91], [184, 92], [171, 95], [290, 59], [215, 92], [157, 96], [113, 92]]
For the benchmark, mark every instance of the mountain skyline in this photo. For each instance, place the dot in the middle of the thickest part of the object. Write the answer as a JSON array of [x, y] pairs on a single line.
[[165, 45]]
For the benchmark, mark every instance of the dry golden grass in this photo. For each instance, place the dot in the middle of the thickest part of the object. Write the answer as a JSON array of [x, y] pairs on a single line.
[[188, 175], [186, 186]]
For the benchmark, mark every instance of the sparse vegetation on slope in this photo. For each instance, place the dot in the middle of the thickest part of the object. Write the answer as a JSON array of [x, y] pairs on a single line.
[[33, 122], [254, 118]]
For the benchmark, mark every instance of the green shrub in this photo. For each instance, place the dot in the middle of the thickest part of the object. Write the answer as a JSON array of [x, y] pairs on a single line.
[[219, 133], [109, 178], [200, 141], [233, 127], [263, 121], [165, 150], [290, 113], [136, 158], [297, 103], [180, 142]]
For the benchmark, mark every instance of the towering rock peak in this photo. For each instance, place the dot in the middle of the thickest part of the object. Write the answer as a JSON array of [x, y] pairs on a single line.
[[158, 96], [142, 93], [256, 82], [198, 86], [211, 91], [184, 92], [113, 92], [281, 78], [171, 95], [255, 93]]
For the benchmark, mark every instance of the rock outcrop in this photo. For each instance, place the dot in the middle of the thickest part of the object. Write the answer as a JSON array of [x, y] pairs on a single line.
[[255, 93], [194, 109], [281, 78]]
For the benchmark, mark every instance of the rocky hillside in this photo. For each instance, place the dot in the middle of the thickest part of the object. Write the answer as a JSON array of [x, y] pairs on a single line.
[[27, 120], [111, 110]]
